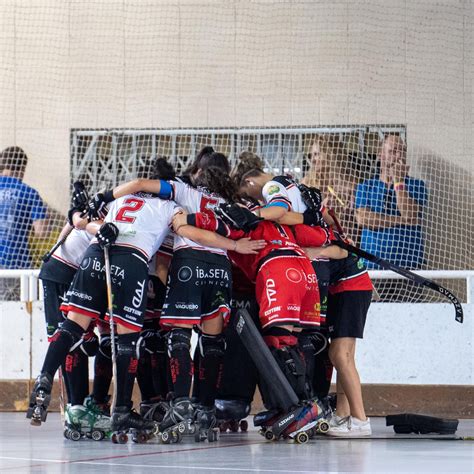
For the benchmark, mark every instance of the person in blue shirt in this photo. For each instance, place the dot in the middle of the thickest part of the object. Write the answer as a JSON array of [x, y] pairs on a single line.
[[21, 210], [389, 209]]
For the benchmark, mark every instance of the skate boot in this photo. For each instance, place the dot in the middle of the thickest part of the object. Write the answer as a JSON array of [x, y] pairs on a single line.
[[177, 421], [298, 423], [102, 407], [265, 420], [127, 421], [206, 424], [39, 399], [86, 421], [230, 414], [154, 409]]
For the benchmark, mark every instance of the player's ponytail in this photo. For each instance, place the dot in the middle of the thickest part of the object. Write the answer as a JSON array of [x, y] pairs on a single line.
[[218, 182]]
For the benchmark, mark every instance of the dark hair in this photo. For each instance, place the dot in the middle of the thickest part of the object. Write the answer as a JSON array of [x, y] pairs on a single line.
[[250, 174], [13, 158], [162, 169], [216, 181], [217, 160], [195, 165], [247, 161]]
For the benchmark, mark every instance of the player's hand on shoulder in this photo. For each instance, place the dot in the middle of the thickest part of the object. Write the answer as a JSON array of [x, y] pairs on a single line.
[[179, 219], [237, 217], [248, 246], [107, 234]]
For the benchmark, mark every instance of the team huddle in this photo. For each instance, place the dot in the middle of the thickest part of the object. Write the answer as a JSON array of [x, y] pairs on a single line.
[[193, 253]]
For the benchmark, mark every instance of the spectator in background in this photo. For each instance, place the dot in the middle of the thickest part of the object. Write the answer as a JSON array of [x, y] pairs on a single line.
[[21, 210], [332, 167], [389, 208]]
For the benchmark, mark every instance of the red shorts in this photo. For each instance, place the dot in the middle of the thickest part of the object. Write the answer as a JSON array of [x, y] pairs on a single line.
[[287, 293]]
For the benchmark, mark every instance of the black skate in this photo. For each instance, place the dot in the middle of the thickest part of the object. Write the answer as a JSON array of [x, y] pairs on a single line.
[[230, 414], [154, 410], [126, 421], [39, 399], [206, 424], [177, 421]]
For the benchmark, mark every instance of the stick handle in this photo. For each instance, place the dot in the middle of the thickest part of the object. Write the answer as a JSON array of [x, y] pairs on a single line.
[[55, 247], [110, 310]]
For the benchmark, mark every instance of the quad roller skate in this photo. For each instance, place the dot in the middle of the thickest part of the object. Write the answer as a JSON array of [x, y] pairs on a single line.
[[177, 421], [230, 415], [39, 399], [102, 407], [126, 421], [206, 424], [86, 421], [154, 410], [298, 424]]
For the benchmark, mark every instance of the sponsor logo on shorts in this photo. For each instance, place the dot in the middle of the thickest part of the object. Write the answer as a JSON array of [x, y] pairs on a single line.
[[85, 263], [139, 292], [82, 296], [240, 304], [293, 275], [127, 309], [270, 289], [190, 306], [293, 307], [185, 274], [272, 310]]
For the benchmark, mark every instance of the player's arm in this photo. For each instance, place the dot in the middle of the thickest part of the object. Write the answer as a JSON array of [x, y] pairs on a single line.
[[375, 220], [154, 186], [94, 226], [331, 251]]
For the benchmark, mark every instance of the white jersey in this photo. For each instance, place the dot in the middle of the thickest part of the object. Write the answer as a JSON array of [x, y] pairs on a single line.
[[143, 221], [285, 191], [194, 200], [74, 248]]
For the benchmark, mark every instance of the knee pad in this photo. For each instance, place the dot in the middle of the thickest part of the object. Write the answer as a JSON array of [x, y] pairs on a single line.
[[212, 346], [71, 330], [148, 342], [278, 338], [88, 344], [127, 345], [179, 339], [320, 342], [105, 348]]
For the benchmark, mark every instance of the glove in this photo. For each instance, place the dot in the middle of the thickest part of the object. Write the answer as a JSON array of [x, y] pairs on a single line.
[[311, 197], [107, 235], [237, 217], [97, 205], [313, 217], [80, 197]]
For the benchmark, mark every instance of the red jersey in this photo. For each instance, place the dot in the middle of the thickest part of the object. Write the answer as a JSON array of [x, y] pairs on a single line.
[[277, 237]]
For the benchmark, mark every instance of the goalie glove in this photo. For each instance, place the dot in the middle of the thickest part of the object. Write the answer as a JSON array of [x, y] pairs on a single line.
[[311, 197], [237, 217], [97, 205], [313, 218], [80, 197], [107, 235]]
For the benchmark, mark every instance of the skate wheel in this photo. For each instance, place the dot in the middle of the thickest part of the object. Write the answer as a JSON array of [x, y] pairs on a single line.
[[35, 422], [97, 435], [323, 427], [182, 427], [269, 436], [175, 437], [311, 433], [140, 438], [199, 436], [222, 428], [122, 438], [244, 425], [66, 433], [165, 437], [302, 437], [234, 426], [74, 435]]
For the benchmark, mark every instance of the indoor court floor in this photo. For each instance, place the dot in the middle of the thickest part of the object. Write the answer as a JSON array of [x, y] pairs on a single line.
[[24, 449]]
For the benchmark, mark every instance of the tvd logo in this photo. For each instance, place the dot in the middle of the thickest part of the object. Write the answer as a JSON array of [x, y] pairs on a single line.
[[270, 288]]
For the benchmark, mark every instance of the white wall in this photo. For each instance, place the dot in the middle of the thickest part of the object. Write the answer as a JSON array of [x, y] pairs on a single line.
[[403, 344]]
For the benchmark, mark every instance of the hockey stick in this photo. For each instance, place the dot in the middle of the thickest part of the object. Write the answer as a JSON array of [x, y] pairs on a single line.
[[110, 309], [78, 188], [419, 280], [61, 395]]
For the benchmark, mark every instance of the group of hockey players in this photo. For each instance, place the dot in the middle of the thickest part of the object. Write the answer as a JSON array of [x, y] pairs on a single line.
[[190, 254]]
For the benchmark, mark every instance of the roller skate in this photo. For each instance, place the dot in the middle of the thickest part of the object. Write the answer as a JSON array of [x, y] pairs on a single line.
[[265, 421], [102, 407], [154, 409], [126, 421], [39, 399], [86, 421], [230, 414], [206, 424], [177, 421]]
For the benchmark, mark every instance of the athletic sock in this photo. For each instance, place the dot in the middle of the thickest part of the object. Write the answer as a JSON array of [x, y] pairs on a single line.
[[127, 364], [77, 370], [61, 342], [145, 377], [102, 372], [210, 367]]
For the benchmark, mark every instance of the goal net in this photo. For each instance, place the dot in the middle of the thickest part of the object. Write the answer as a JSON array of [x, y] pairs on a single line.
[[96, 90]]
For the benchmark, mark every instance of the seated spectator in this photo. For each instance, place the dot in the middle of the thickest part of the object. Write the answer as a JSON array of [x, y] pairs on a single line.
[[21, 210], [389, 209]]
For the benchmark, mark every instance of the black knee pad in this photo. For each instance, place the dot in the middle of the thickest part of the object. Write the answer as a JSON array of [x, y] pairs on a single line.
[[105, 346], [72, 330], [212, 346], [179, 339], [148, 342], [88, 344], [127, 345]]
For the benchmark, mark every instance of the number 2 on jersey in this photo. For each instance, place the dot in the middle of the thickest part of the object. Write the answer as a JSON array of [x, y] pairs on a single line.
[[130, 206]]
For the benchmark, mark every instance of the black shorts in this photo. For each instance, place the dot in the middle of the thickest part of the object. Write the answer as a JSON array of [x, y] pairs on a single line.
[[54, 294], [199, 288], [347, 312], [129, 274], [323, 273], [155, 297]]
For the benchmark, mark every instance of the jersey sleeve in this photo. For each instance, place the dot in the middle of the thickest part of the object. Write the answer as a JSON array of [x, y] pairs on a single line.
[[417, 190], [275, 194], [361, 196], [307, 236], [207, 220], [38, 209]]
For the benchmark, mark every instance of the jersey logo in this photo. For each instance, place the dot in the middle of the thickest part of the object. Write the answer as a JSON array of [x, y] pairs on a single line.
[[271, 292], [273, 189], [137, 299]]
